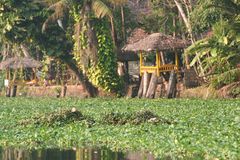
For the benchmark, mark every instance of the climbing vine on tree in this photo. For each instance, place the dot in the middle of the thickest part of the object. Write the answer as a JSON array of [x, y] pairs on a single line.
[[104, 74]]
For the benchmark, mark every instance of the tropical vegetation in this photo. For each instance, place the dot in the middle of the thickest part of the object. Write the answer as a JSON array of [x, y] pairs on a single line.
[[86, 34]]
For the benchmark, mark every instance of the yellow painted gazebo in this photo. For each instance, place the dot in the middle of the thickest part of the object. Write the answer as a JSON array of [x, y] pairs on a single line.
[[157, 42]]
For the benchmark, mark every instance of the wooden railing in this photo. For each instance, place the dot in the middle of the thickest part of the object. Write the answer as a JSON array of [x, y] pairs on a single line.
[[167, 68], [159, 67], [155, 69]]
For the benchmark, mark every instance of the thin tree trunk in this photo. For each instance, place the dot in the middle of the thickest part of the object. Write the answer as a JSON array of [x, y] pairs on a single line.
[[8, 91], [185, 19], [162, 58], [113, 31], [174, 26], [187, 9], [187, 24], [189, 28], [14, 87], [63, 90], [123, 23], [91, 90]]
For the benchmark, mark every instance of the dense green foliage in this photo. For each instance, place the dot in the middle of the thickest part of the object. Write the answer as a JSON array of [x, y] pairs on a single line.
[[220, 52], [18, 23], [70, 26], [201, 129], [37, 27], [217, 53], [163, 18], [104, 74]]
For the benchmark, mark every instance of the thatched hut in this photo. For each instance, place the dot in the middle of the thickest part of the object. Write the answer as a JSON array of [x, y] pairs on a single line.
[[158, 43], [19, 62], [16, 63]]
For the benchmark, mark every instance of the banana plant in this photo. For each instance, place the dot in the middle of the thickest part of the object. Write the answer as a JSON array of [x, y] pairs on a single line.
[[220, 52]]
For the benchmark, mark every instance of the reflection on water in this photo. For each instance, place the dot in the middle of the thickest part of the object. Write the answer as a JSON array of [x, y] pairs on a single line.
[[78, 154]]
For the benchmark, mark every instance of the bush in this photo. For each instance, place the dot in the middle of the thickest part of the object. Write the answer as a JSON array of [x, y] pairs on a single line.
[[225, 78]]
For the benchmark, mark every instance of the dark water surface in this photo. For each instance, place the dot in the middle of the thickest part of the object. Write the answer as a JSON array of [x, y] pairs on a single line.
[[75, 154]]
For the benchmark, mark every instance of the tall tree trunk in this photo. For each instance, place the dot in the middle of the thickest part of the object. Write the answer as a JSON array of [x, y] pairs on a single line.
[[174, 26], [162, 58], [113, 32], [185, 19], [123, 23], [91, 90], [187, 24], [91, 35], [93, 43]]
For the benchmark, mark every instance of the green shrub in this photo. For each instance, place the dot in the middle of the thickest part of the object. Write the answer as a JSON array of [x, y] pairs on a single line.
[[225, 78]]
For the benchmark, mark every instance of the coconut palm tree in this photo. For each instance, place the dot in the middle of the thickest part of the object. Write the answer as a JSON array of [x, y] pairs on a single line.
[[85, 48], [82, 11]]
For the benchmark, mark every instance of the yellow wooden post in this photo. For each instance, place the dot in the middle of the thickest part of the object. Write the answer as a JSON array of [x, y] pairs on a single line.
[[176, 61], [141, 63], [158, 63]]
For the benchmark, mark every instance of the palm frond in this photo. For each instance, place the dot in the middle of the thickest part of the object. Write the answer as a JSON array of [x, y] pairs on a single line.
[[197, 57], [100, 9], [197, 47], [60, 9]]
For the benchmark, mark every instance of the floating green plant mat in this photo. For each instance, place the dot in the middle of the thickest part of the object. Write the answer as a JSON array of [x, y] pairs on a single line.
[[177, 128], [136, 118], [66, 116]]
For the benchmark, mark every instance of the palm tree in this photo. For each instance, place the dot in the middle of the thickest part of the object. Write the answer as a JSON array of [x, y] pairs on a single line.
[[85, 49]]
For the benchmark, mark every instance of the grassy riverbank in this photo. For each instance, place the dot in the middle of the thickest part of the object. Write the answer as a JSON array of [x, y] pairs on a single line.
[[201, 128]]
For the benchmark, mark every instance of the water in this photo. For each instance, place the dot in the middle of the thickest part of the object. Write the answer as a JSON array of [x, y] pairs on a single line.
[[74, 154]]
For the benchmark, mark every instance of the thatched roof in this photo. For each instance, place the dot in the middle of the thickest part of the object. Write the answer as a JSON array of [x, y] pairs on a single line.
[[137, 35], [156, 41], [19, 62]]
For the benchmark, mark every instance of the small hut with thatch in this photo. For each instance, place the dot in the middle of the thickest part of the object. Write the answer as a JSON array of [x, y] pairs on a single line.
[[19, 62], [16, 63], [158, 43]]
